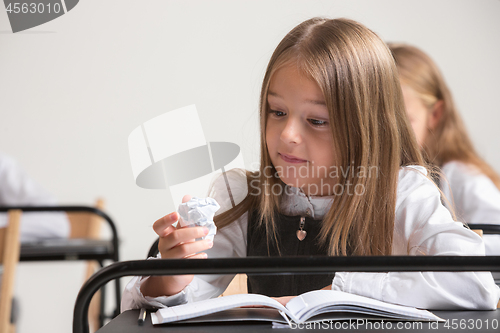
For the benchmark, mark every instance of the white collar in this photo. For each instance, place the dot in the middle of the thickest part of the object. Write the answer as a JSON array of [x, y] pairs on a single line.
[[295, 202]]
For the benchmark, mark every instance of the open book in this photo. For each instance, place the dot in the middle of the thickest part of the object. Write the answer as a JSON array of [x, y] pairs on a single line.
[[312, 306]]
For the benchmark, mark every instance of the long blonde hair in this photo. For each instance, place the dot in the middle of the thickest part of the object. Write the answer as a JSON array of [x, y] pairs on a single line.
[[358, 77], [449, 141]]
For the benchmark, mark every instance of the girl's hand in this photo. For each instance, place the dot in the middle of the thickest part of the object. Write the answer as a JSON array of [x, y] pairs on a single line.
[[175, 242], [283, 300]]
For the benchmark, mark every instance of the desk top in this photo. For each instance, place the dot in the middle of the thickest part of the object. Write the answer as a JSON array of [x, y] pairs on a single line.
[[457, 321]]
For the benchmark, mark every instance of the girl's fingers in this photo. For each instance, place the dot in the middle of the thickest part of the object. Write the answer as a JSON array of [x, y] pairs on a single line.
[[162, 226], [177, 242], [183, 235], [187, 249], [179, 237], [202, 255], [284, 300]]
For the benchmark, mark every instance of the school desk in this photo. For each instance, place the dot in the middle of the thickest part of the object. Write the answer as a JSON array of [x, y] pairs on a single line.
[[457, 321], [273, 265]]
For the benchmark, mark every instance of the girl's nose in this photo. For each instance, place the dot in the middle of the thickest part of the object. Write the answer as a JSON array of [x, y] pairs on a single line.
[[291, 132]]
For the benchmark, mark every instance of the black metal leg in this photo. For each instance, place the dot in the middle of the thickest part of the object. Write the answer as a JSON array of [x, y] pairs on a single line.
[[118, 291], [102, 309], [102, 314]]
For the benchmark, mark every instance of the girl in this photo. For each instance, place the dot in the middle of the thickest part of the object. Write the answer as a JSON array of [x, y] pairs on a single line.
[[340, 174], [469, 182]]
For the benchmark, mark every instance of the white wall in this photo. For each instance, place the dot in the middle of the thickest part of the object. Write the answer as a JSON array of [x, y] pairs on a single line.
[[71, 91]]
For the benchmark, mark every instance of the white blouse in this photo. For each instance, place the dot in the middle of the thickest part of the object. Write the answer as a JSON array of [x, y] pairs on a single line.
[[475, 197], [422, 226]]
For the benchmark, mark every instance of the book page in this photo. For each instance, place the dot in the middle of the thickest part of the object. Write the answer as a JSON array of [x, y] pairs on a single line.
[[315, 302], [205, 307], [240, 315]]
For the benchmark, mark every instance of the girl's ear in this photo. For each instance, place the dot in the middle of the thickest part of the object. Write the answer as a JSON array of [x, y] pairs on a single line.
[[435, 115]]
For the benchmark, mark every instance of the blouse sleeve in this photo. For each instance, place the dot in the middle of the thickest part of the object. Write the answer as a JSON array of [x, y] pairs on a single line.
[[423, 226], [18, 189], [475, 197], [229, 241]]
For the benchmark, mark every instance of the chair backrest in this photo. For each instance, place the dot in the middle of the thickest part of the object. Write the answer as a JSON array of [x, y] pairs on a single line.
[[85, 224], [88, 225], [153, 250], [237, 286], [9, 257], [478, 231]]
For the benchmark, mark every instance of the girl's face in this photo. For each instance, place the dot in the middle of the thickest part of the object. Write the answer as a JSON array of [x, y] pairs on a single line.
[[298, 133], [417, 113]]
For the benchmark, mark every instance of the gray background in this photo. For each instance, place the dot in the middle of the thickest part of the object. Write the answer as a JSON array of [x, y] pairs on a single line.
[[73, 89]]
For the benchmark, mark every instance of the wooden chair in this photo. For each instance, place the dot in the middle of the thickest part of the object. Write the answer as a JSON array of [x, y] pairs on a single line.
[[479, 232], [9, 257], [83, 245], [237, 286], [88, 226]]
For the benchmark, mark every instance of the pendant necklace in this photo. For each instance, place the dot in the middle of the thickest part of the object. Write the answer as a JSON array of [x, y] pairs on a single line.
[[301, 233]]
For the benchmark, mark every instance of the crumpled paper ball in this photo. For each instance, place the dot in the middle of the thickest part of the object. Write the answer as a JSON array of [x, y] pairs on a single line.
[[199, 212]]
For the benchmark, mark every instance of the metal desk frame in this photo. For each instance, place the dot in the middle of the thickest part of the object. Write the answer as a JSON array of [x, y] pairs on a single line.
[[273, 265]]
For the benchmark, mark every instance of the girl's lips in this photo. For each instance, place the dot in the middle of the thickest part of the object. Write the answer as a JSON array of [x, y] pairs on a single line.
[[292, 159]]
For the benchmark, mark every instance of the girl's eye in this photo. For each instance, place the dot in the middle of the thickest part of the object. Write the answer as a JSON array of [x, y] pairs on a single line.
[[316, 122], [277, 113]]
